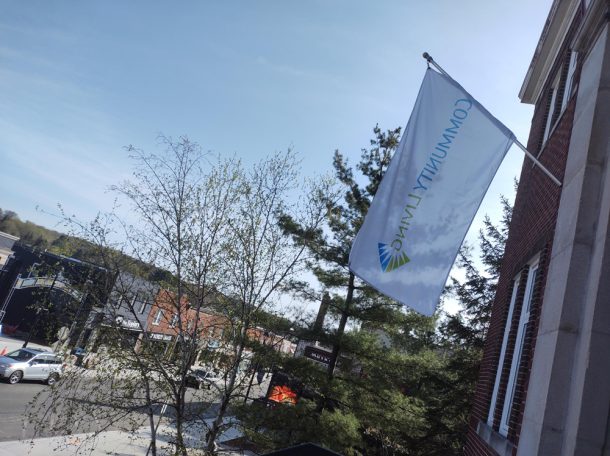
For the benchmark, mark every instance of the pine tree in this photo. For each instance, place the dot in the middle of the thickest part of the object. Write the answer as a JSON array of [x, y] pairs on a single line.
[[369, 396], [404, 384], [476, 292], [462, 336]]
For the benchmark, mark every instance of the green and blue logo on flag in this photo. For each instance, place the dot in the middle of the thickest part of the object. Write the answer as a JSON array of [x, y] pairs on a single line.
[[389, 258]]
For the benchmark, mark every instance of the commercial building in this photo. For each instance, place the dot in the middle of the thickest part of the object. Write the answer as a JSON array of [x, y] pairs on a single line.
[[6, 247], [41, 292], [127, 309]]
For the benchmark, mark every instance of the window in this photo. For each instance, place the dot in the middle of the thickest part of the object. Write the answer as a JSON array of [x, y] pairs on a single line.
[[569, 85], [509, 319], [132, 305], [550, 114], [55, 360], [158, 317], [559, 93], [174, 321], [142, 307], [522, 327]]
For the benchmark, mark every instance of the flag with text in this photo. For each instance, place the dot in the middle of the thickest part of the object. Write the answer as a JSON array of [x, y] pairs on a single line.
[[429, 195]]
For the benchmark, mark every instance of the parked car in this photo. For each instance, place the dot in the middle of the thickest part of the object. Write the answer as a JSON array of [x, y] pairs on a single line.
[[30, 364], [197, 378]]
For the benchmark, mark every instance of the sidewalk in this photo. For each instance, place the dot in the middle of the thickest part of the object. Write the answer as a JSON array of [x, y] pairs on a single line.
[[12, 343], [116, 443]]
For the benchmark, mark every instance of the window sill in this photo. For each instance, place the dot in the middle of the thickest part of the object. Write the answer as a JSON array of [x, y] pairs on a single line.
[[498, 442]]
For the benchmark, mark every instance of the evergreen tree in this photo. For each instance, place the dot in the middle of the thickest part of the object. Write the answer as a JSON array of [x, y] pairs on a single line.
[[404, 386], [462, 335], [369, 399], [477, 291], [331, 247]]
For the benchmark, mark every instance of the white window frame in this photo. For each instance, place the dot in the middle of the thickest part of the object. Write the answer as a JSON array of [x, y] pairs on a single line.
[[567, 92], [174, 320], [509, 319], [133, 302], [549, 118], [142, 307], [518, 351], [158, 317]]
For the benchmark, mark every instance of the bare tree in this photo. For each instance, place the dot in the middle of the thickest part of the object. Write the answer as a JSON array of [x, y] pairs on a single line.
[[201, 253], [260, 257], [179, 205]]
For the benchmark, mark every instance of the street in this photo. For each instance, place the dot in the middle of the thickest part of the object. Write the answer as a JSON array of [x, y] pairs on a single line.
[[91, 412], [13, 402]]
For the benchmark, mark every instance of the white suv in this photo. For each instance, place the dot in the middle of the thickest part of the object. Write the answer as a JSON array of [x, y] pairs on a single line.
[[30, 364]]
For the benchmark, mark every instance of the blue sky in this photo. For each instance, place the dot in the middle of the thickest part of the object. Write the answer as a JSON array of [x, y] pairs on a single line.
[[81, 80]]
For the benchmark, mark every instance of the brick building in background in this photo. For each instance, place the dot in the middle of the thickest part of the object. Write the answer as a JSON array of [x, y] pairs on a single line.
[[544, 384]]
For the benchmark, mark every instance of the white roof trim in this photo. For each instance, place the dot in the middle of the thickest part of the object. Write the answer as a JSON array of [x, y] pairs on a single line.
[[552, 38], [8, 236]]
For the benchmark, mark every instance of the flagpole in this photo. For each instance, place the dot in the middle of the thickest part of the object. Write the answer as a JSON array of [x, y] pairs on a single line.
[[535, 160], [432, 62]]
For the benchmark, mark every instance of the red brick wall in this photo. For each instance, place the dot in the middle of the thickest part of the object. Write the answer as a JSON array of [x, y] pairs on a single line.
[[209, 325], [531, 232], [167, 302]]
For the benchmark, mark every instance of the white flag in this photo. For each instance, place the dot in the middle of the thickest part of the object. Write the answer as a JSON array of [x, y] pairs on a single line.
[[446, 159]]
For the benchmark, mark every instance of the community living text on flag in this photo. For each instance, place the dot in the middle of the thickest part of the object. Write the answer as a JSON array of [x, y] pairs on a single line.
[[446, 159]]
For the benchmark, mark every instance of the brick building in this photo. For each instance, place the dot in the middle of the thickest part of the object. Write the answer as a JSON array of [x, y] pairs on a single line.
[[544, 384], [168, 318]]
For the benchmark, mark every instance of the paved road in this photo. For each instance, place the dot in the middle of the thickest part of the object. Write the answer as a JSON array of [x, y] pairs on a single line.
[[13, 402], [15, 399], [92, 416]]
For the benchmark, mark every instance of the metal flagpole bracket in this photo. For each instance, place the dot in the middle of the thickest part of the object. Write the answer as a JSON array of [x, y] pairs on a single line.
[[529, 155], [536, 162], [432, 62]]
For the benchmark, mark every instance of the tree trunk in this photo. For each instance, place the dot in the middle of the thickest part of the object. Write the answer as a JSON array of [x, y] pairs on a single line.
[[152, 448], [180, 447], [226, 397], [344, 315]]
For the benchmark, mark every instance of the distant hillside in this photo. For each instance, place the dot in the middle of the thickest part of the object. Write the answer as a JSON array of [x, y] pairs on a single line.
[[28, 232], [43, 238]]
